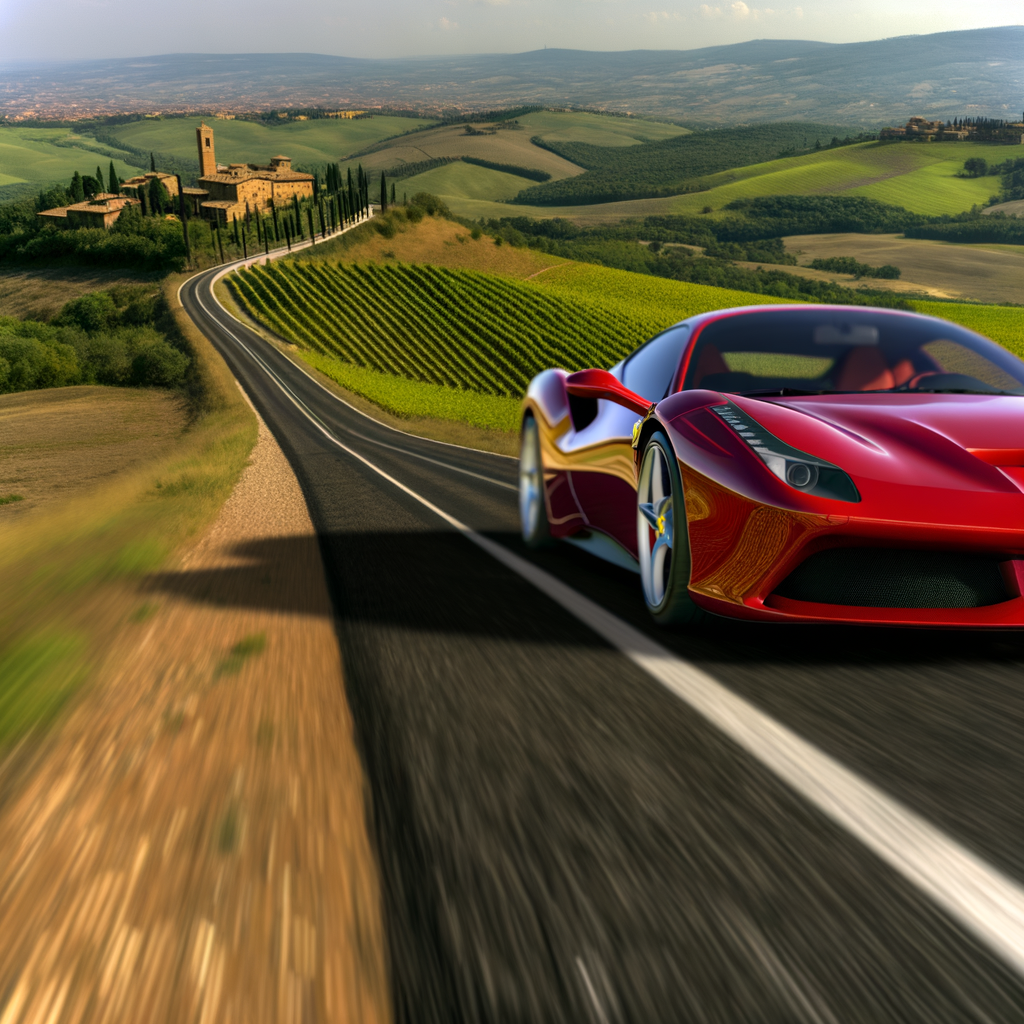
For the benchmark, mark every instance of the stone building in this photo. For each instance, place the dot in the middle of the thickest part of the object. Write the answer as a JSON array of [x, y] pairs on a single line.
[[99, 212], [942, 131], [132, 185], [239, 187]]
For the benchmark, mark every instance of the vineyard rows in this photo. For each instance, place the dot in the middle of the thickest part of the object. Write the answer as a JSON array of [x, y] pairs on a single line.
[[456, 328]]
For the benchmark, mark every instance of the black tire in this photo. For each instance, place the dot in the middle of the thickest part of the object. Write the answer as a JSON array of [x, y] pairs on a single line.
[[662, 537], [533, 513]]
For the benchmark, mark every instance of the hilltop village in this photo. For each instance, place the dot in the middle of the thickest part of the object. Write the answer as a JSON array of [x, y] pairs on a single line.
[[223, 192], [958, 130]]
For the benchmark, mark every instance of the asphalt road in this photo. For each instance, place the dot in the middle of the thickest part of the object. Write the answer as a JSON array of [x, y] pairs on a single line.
[[563, 839]]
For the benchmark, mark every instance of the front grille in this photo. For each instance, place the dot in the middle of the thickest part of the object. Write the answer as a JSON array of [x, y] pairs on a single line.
[[891, 578]]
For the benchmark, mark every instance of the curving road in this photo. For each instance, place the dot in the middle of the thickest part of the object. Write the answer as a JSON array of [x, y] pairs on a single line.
[[580, 817]]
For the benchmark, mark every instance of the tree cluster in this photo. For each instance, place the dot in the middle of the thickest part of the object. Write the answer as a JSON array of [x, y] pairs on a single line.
[[110, 337], [667, 167]]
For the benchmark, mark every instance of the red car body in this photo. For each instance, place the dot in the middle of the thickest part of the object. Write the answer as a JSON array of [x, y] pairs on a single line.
[[940, 478]]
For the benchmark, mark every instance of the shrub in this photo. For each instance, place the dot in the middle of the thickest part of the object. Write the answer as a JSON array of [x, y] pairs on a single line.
[[430, 204]]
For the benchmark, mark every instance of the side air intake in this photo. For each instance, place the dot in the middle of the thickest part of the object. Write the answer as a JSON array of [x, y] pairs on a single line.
[[893, 578]]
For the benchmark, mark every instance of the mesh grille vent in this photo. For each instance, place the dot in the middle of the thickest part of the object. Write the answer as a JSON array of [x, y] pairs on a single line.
[[891, 578]]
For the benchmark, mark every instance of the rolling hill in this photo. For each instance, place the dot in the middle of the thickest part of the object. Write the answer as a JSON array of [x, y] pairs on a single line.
[[33, 158], [306, 142], [868, 83], [921, 178]]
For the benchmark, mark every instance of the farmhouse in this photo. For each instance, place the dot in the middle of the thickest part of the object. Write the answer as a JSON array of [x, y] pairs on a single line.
[[236, 188], [132, 186], [101, 211], [944, 131]]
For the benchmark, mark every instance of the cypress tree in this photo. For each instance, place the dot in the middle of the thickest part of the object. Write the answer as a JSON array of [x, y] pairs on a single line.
[[392, 193], [312, 230], [277, 226], [287, 235], [152, 162], [234, 227], [220, 241], [142, 202], [351, 195], [266, 243], [259, 237], [297, 213], [383, 193], [113, 181], [183, 213], [77, 188]]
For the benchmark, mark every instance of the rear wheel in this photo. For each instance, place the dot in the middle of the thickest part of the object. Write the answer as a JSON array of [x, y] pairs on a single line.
[[533, 513], [662, 540]]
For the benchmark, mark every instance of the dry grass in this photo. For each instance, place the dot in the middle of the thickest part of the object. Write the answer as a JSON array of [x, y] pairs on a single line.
[[57, 443], [442, 243], [190, 845], [972, 272], [40, 294]]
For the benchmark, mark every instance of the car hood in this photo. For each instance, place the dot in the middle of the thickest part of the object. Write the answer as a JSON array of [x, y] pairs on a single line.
[[950, 441]]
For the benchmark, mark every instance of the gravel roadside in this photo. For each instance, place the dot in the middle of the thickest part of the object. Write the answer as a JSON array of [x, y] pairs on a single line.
[[190, 844]]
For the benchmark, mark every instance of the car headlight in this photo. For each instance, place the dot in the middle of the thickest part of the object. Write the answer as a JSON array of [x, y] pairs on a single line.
[[799, 470]]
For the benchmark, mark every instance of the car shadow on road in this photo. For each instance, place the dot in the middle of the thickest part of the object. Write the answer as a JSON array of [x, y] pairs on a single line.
[[436, 581]]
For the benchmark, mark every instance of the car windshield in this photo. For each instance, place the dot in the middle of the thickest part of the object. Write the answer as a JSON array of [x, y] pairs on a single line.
[[816, 351]]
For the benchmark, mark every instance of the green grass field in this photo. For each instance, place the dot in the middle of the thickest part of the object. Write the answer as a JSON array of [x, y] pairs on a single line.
[[306, 142], [28, 155], [919, 177], [465, 181]]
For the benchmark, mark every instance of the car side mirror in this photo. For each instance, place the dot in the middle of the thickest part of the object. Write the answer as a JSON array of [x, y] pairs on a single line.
[[602, 384]]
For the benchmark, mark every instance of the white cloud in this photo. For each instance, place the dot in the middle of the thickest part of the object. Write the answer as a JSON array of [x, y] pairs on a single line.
[[446, 24], [707, 11], [656, 17], [739, 9]]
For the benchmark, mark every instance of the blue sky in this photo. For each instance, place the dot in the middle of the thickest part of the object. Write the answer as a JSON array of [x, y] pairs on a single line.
[[383, 28]]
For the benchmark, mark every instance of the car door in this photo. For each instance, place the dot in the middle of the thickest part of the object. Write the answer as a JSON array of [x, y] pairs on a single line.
[[602, 476]]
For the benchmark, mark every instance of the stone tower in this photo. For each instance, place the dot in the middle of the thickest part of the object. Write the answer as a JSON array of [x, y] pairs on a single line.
[[207, 161]]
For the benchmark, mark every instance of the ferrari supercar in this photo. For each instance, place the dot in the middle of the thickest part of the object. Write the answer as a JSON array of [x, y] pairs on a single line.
[[792, 463]]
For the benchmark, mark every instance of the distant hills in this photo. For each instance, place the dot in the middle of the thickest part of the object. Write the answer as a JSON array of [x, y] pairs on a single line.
[[972, 73]]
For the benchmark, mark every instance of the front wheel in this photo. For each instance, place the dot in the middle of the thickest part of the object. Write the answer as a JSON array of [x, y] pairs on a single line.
[[533, 513], [663, 544]]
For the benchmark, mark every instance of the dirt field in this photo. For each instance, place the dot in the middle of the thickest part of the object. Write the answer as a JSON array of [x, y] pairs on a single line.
[[937, 268], [40, 294], [1015, 208], [60, 441], [190, 844], [506, 146]]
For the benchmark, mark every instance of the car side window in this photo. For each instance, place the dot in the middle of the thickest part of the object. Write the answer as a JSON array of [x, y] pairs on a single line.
[[650, 370]]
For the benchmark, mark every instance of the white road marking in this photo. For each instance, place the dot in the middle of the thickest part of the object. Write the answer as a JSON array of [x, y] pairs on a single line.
[[972, 892], [309, 414]]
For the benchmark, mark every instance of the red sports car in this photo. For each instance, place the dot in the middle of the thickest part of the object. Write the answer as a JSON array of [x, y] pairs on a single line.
[[793, 463]]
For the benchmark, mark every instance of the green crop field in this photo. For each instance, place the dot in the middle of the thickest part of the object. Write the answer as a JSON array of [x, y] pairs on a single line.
[[29, 157], [460, 344], [306, 142], [1004, 324], [454, 328], [465, 181], [919, 177]]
